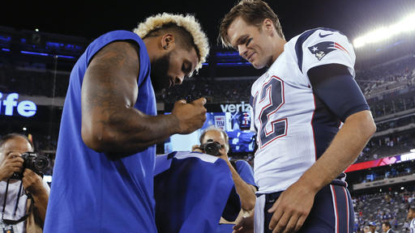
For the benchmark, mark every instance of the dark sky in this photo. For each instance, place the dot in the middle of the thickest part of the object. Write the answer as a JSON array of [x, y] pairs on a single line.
[[91, 18]]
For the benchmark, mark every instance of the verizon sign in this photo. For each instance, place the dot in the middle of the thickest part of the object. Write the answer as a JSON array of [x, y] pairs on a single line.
[[242, 107]]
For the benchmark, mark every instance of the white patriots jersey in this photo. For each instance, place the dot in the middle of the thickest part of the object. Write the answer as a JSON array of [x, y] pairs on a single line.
[[293, 128]]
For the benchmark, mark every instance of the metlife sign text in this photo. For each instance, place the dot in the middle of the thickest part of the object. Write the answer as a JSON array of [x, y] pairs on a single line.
[[9, 104], [242, 107]]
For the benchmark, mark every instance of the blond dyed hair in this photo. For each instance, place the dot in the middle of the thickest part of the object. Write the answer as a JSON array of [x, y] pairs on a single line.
[[188, 23]]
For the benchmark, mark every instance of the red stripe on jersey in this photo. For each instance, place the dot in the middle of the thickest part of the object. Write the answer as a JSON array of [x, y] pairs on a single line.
[[312, 120], [336, 212], [336, 45]]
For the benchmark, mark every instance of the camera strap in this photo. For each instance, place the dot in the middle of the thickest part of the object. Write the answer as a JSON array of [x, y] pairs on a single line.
[[18, 198], [5, 198]]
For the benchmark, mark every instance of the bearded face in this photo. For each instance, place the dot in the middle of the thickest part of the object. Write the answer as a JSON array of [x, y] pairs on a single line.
[[159, 73]]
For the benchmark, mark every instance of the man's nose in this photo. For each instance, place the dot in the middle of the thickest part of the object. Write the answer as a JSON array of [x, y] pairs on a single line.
[[242, 50], [178, 80]]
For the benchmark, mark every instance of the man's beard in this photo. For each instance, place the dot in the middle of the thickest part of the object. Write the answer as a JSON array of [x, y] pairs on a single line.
[[159, 69]]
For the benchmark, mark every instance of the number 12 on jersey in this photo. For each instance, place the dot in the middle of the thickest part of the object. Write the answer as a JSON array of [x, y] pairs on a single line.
[[271, 100]]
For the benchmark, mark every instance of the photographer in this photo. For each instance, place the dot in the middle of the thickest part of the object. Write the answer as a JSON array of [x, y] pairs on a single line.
[[215, 141], [23, 201]]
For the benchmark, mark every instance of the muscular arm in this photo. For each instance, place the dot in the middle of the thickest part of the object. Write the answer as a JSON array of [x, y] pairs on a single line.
[[41, 203], [337, 89], [110, 123], [343, 151]]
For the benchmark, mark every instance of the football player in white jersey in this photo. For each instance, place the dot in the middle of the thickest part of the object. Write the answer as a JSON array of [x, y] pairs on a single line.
[[299, 104]]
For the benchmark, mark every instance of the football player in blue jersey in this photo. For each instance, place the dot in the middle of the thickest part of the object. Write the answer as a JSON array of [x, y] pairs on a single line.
[[103, 174], [311, 118]]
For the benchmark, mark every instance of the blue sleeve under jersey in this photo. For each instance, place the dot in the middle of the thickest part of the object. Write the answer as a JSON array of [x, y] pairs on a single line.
[[337, 89], [245, 172]]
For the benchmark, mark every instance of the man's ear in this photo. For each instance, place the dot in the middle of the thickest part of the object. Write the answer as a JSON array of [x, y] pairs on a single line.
[[168, 41], [268, 25]]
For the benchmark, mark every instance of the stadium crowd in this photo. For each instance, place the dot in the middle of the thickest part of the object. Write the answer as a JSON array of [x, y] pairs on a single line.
[[374, 209]]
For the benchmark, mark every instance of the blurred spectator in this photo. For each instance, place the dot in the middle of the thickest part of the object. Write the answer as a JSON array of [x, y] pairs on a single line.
[[386, 227], [23, 211]]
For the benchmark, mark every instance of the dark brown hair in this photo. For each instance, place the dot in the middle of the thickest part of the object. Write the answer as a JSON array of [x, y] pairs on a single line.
[[387, 224], [253, 12]]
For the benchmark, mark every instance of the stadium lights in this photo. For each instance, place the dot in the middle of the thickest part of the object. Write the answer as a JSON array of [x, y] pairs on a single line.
[[384, 33]]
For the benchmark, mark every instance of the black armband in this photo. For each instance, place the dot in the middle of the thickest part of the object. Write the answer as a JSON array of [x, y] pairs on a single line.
[[338, 90]]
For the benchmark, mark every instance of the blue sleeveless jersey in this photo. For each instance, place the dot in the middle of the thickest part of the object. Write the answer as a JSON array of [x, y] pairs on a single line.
[[91, 193]]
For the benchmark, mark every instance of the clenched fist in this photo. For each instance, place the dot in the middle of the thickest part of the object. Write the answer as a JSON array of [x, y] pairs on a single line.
[[191, 116]]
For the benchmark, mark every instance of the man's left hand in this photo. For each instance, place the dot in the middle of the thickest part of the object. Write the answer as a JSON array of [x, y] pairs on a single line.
[[291, 209]]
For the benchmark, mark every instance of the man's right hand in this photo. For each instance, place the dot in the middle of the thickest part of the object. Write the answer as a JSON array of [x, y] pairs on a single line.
[[191, 116], [12, 163]]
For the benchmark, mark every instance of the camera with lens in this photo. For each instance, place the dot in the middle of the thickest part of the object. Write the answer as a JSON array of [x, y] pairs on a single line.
[[37, 163], [211, 147]]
